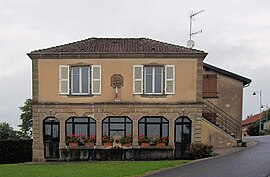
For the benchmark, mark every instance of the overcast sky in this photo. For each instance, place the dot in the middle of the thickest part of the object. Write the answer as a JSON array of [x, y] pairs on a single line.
[[236, 34]]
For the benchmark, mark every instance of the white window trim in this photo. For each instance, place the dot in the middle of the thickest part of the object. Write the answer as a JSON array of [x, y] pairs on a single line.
[[92, 79], [141, 79], [61, 79], [80, 81], [153, 81], [166, 79]]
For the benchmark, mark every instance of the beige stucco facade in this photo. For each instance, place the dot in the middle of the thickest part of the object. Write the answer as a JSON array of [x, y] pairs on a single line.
[[187, 100], [185, 88]]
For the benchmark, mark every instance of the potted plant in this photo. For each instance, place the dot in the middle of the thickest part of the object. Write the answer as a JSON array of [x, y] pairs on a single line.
[[161, 142], [72, 140], [107, 140], [89, 141], [144, 140], [126, 140]]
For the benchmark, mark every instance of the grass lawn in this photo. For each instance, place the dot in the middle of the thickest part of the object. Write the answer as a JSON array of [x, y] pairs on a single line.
[[85, 169]]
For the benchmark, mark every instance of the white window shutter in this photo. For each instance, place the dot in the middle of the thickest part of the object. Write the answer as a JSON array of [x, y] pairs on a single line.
[[138, 79], [64, 79], [169, 79], [96, 79]]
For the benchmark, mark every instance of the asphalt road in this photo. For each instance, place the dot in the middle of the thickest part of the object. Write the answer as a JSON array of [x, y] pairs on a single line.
[[251, 162]]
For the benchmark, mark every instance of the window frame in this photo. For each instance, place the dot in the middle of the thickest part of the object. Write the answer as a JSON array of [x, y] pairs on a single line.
[[80, 79], [110, 122], [73, 123], [153, 79], [145, 122]]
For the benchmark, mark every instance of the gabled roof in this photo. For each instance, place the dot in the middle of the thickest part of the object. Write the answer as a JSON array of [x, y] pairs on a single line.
[[251, 119], [128, 46], [245, 80]]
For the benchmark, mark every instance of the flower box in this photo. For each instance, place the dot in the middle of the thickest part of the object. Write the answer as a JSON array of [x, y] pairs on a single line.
[[162, 144], [145, 144], [127, 145], [107, 144], [89, 144], [72, 145]]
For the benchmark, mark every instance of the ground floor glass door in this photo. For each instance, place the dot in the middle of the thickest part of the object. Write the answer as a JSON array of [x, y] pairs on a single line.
[[182, 137], [51, 137]]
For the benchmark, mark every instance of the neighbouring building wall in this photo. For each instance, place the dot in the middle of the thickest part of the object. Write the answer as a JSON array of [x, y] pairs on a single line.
[[216, 137], [185, 80], [229, 95]]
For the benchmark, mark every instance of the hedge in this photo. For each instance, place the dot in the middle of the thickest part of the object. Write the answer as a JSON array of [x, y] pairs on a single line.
[[15, 151]]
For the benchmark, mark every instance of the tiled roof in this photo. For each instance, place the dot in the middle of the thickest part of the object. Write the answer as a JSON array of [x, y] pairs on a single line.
[[251, 119], [117, 46]]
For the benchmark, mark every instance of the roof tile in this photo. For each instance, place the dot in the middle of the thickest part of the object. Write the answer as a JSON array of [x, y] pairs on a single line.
[[117, 45]]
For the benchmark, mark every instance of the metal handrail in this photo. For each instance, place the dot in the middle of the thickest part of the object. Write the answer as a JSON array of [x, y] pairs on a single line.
[[227, 122]]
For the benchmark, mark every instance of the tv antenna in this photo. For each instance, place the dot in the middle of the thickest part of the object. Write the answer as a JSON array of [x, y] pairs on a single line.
[[190, 42]]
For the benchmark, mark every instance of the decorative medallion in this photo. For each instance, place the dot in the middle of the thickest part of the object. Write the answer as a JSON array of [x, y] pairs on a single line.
[[117, 81]]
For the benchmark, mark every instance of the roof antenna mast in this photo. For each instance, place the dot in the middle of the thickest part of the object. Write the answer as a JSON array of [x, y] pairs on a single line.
[[190, 42]]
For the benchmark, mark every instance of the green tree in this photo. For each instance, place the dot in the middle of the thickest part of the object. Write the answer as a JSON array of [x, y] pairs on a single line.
[[26, 118], [7, 132]]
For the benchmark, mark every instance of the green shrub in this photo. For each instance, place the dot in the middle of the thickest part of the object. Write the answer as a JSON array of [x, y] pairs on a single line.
[[262, 132], [267, 132], [199, 150], [15, 151]]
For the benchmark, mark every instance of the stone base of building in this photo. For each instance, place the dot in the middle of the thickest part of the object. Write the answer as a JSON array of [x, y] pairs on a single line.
[[150, 153]]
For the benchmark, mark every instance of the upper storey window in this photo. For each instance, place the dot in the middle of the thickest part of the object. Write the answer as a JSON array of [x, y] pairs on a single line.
[[153, 80], [210, 86], [80, 80]]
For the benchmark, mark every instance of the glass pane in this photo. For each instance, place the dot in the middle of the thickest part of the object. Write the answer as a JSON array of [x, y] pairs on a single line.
[[153, 119], [158, 79], [55, 131], [128, 120], [75, 80], [122, 133], [128, 129], [85, 79], [76, 119], [186, 120], [165, 131], [141, 129], [69, 129], [153, 130], [47, 130], [69, 120], [106, 120], [165, 120], [92, 129], [117, 119], [149, 80], [92, 120], [186, 134], [142, 120], [105, 128], [81, 129], [117, 126], [178, 134]]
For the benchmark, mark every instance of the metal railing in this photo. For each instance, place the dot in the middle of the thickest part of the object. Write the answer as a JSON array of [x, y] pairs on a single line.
[[222, 119]]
